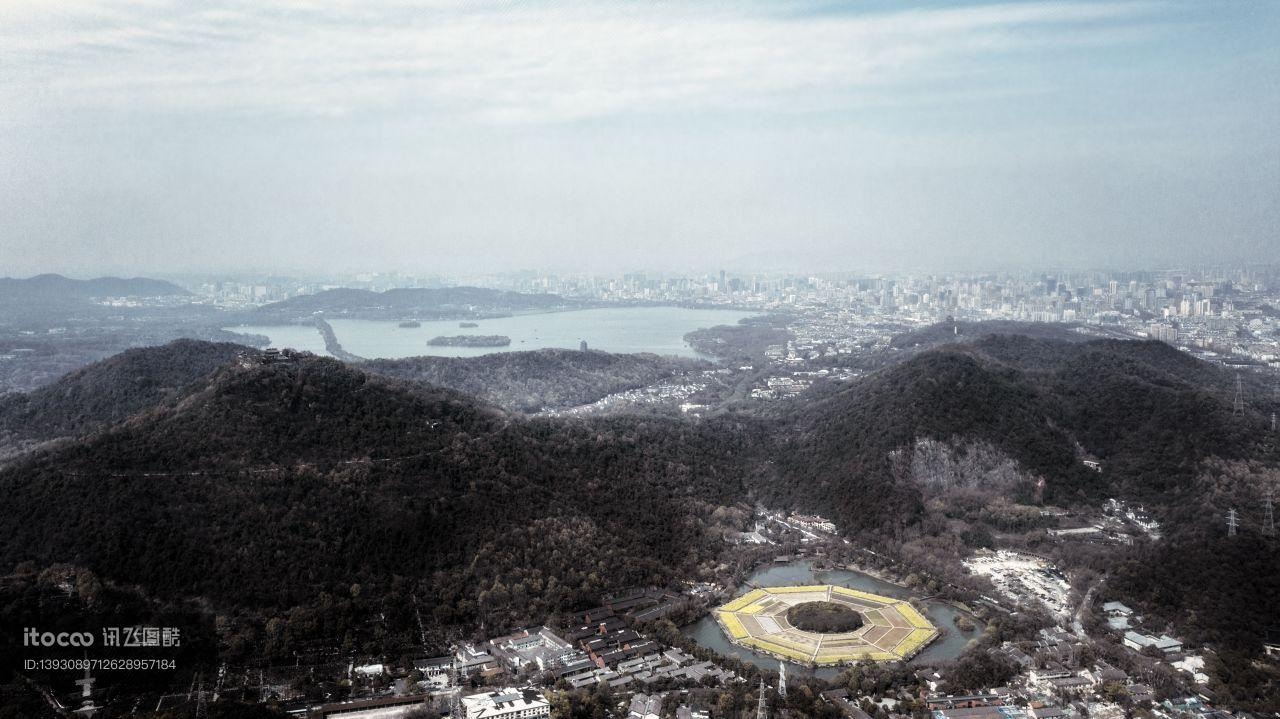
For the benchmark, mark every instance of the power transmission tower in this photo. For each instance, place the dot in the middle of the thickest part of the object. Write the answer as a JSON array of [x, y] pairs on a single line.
[[1237, 408], [460, 665], [458, 675], [1232, 522], [217, 687], [782, 680], [202, 711], [762, 707], [1268, 516], [1275, 399]]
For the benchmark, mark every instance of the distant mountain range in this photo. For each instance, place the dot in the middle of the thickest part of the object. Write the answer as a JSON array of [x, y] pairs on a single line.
[[50, 286], [197, 469]]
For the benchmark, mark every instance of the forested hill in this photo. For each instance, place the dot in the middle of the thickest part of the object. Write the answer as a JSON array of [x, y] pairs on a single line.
[[106, 392], [1161, 361], [407, 304], [851, 451], [52, 299], [531, 381], [264, 484], [95, 396], [1151, 414], [273, 483], [961, 333]]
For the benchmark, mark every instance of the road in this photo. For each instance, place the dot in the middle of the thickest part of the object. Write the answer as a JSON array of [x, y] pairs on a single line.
[[1077, 623], [811, 535]]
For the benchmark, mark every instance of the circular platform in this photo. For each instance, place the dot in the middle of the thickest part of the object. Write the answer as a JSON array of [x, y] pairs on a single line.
[[892, 630]]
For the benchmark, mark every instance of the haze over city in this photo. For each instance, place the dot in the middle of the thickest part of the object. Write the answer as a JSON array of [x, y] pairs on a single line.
[[154, 137]]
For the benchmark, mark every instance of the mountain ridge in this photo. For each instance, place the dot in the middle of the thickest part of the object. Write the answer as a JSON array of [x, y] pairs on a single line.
[[538, 379], [326, 467], [94, 396], [54, 286], [315, 451]]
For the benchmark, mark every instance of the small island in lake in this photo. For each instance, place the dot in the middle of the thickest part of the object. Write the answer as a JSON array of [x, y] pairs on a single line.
[[468, 324], [411, 323], [470, 341]]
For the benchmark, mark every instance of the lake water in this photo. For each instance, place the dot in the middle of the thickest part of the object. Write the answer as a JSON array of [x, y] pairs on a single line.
[[948, 646], [659, 330], [299, 337]]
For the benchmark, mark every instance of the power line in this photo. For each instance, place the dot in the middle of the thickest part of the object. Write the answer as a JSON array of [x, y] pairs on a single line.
[[1268, 516], [762, 706], [1237, 407], [202, 710], [457, 675]]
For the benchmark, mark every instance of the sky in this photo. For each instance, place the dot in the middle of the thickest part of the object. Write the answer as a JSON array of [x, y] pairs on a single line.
[[140, 136]]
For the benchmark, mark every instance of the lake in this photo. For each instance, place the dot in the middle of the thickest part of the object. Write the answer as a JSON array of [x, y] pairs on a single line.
[[624, 330], [948, 646], [298, 337]]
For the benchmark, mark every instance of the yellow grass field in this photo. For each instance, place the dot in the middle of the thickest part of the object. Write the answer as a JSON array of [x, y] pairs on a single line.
[[732, 625], [911, 615], [816, 589], [744, 600]]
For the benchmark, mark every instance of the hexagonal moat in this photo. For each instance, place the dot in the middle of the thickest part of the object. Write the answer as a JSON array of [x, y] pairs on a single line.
[[892, 629]]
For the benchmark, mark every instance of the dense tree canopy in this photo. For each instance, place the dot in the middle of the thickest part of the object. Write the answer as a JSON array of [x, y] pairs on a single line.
[[269, 485]]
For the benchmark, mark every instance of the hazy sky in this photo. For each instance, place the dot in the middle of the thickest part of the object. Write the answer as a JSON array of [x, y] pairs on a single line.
[[143, 136]]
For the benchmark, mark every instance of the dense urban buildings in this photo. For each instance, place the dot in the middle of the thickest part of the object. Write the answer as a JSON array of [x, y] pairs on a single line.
[[1230, 314]]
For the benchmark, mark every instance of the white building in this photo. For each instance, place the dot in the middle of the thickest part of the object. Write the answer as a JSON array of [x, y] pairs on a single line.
[[1193, 665], [1117, 609], [814, 522], [508, 704], [1118, 616], [1164, 642], [538, 646]]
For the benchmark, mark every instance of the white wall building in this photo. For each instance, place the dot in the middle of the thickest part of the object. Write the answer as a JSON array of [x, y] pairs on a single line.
[[508, 704]]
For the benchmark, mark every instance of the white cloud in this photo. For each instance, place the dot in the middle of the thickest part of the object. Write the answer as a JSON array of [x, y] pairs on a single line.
[[153, 134], [506, 63]]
